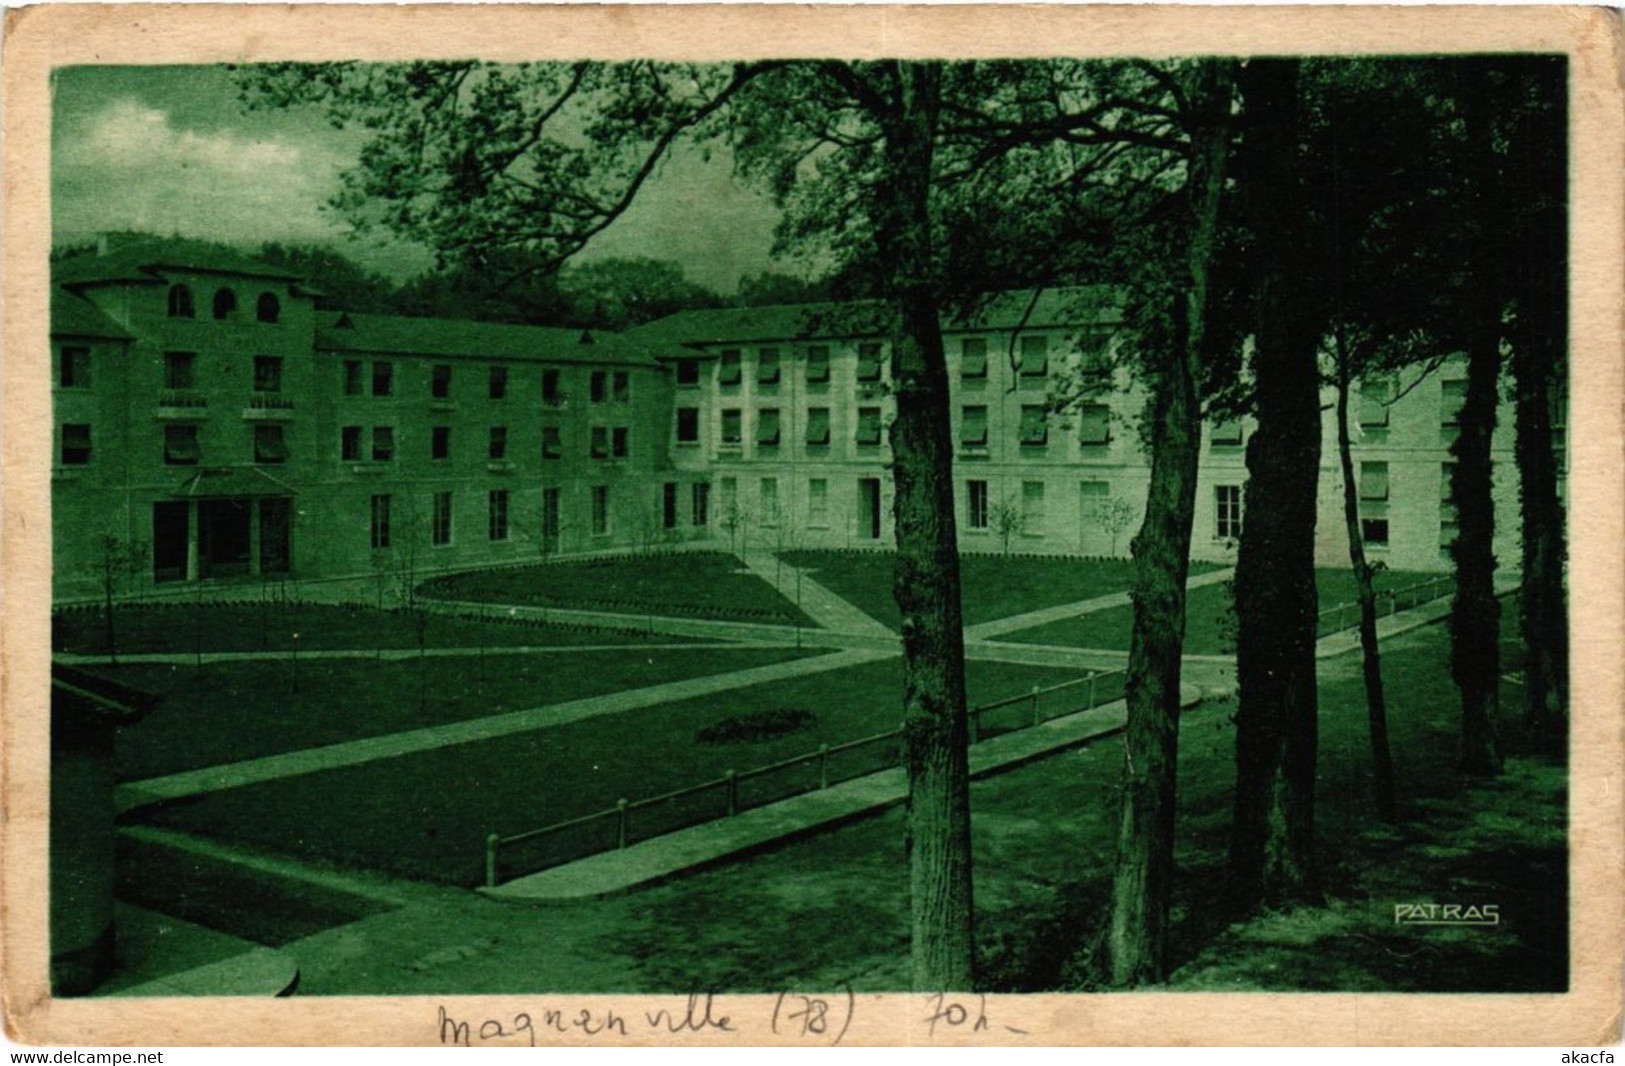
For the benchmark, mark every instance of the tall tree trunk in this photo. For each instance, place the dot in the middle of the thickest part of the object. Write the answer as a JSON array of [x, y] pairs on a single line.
[[926, 580], [1142, 886], [1272, 840], [1376, 706], [1475, 618], [1539, 356]]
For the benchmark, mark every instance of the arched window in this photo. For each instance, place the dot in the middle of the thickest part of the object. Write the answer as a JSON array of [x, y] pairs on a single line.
[[225, 303], [269, 308], [180, 302]]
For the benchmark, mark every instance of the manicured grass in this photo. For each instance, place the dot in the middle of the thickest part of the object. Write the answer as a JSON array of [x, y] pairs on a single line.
[[1209, 621], [224, 712], [691, 584], [184, 628], [426, 815], [992, 586]]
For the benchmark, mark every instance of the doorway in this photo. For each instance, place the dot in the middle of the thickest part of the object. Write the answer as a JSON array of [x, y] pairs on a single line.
[[869, 508], [223, 537], [171, 530]]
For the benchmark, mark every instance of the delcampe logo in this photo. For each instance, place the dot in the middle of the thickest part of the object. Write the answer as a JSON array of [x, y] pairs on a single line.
[[1447, 914]]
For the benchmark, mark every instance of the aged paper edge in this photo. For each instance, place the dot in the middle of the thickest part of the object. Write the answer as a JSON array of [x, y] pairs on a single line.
[[41, 38]]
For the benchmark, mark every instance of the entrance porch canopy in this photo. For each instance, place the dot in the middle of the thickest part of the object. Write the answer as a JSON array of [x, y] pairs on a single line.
[[240, 482]]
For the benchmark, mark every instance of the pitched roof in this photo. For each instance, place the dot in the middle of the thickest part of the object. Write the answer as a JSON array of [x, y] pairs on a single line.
[[74, 316], [348, 331], [780, 322], [144, 261]]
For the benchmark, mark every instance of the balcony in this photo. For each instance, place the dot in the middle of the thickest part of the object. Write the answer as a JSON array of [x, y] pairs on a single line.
[[268, 407], [182, 403]]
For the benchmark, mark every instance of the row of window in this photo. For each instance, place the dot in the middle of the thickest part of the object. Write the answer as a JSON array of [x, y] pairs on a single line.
[[1093, 419], [266, 309], [604, 386], [606, 442], [497, 516], [1031, 361]]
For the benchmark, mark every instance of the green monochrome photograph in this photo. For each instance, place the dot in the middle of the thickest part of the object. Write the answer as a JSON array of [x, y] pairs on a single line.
[[882, 525]]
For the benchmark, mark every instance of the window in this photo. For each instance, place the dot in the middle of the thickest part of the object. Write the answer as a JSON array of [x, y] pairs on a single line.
[[688, 425], [600, 442], [1448, 521], [1034, 356], [728, 368], [1374, 531], [383, 378], [383, 443], [732, 432], [817, 502], [1094, 354], [267, 373], [730, 498], [552, 443], [1227, 508], [817, 365], [440, 442], [350, 444], [1034, 426], [767, 366], [496, 517], [1452, 396], [769, 498], [868, 425], [1226, 433], [269, 444], [621, 386], [701, 500], [869, 362], [551, 519], [440, 382], [75, 443], [498, 447], [1032, 508], [180, 370], [668, 505], [1094, 424], [620, 442], [225, 303], [1376, 394], [600, 510], [818, 426], [976, 509], [767, 427], [180, 302], [551, 396], [498, 384], [599, 386], [973, 427], [688, 372], [352, 377], [440, 519], [380, 522], [1095, 500], [180, 445], [1373, 481], [973, 357], [269, 308], [74, 368]]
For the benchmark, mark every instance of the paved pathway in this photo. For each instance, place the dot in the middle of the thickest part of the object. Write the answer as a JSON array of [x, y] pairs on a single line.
[[372, 749], [686, 850], [396, 654], [1000, 626], [709, 628], [820, 604]]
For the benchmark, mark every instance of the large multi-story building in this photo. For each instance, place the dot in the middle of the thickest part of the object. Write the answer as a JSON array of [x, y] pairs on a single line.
[[213, 425]]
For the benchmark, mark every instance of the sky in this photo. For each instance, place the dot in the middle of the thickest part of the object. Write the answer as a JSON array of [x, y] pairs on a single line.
[[170, 150]]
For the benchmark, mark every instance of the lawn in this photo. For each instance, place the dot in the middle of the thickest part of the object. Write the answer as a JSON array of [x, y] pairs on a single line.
[[185, 628], [400, 815], [692, 584], [1209, 620], [224, 712], [992, 586]]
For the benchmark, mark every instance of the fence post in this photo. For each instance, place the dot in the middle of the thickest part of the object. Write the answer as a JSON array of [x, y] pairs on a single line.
[[732, 781], [491, 843], [1091, 704], [1035, 705], [823, 766], [620, 824]]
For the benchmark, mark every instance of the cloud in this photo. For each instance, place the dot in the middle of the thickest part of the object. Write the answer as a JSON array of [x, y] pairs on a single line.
[[128, 166]]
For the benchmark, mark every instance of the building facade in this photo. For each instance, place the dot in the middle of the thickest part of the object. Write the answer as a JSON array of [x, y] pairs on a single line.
[[212, 425]]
